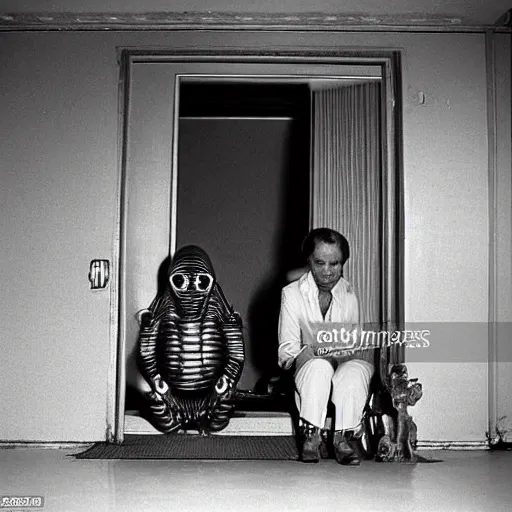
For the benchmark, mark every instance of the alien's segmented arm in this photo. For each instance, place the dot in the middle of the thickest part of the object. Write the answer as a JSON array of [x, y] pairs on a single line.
[[233, 332], [148, 335], [235, 347]]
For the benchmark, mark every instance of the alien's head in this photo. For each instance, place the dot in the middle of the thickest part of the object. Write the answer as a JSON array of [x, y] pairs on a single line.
[[191, 278]]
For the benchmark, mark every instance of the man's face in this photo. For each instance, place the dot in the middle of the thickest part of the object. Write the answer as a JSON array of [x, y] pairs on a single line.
[[325, 265]]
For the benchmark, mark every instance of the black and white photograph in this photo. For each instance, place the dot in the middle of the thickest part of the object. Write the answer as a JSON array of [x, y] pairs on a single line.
[[256, 256]]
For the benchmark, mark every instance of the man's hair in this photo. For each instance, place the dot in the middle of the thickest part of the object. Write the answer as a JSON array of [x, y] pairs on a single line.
[[328, 236]]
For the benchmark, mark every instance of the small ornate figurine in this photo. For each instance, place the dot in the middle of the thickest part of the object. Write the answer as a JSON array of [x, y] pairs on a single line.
[[398, 443], [191, 349]]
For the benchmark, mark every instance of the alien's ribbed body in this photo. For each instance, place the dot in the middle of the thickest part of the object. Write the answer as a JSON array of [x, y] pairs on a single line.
[[191, 348], [193, 356]]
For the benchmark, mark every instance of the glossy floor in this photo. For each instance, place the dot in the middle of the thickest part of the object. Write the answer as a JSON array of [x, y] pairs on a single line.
[[464, 481]]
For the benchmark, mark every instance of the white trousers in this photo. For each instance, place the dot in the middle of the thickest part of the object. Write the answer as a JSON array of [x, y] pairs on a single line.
[[317, 382]]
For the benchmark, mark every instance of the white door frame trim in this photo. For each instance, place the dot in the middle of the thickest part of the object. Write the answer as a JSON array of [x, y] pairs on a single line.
[[303, 58]]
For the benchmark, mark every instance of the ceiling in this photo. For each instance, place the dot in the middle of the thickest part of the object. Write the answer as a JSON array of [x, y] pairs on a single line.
[[455, 13]]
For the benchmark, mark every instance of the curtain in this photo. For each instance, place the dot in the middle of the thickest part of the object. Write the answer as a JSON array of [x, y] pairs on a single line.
[[346, 183]]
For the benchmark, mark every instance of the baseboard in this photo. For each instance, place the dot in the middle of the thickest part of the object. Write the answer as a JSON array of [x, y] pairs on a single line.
[[135, 426], [50, 445], [453, 445]]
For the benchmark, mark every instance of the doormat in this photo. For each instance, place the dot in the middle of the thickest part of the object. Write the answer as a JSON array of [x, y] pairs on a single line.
[[192, 446]]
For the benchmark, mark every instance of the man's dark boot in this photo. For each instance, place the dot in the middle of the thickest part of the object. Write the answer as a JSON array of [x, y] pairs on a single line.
[[343, 451], [311, 440]]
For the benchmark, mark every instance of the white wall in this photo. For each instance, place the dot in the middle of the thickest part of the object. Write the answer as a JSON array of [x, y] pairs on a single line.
[[58, 140], [446, 228], [501, 373], [58, 207]]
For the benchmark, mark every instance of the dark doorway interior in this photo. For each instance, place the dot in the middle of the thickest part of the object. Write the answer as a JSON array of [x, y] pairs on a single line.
[[243, 195]]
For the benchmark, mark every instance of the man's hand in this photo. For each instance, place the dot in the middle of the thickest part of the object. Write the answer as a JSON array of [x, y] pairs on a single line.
[[304, 355]]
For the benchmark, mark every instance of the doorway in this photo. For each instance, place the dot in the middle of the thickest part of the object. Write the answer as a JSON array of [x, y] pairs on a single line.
[[243, 195], [171, 110]]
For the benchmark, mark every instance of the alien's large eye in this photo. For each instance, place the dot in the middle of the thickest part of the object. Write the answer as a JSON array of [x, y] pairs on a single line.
[[179, 281], [203, 282]]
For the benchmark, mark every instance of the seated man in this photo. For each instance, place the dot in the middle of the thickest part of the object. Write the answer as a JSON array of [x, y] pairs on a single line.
[[322, 295]]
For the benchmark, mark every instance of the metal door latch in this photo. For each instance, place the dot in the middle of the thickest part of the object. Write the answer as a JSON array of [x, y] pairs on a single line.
[[99, 274]]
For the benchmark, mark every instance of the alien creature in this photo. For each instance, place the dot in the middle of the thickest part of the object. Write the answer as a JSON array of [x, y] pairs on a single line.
[[191, 349], [399, 439]]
